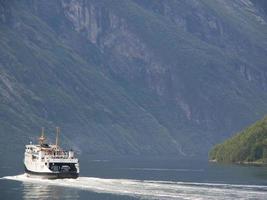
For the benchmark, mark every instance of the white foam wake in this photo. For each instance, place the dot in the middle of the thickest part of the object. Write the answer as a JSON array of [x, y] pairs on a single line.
[[155, 189]]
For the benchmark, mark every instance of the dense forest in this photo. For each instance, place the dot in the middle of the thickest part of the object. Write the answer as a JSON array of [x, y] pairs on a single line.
[[248, 146]]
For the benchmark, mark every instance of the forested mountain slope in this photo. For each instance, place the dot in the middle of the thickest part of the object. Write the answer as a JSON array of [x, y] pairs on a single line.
[[250, 145]]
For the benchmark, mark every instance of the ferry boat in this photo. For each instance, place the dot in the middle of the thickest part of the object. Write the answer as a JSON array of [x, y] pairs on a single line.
[[50, 161]]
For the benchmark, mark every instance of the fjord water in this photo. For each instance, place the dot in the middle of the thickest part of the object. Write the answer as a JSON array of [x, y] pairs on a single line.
[[146, 178]]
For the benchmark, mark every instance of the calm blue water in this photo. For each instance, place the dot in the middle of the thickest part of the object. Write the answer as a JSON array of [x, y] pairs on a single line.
[[146, 178]]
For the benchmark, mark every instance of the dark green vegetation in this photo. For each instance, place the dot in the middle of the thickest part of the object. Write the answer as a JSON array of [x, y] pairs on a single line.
[[248, 146], [131, 77]]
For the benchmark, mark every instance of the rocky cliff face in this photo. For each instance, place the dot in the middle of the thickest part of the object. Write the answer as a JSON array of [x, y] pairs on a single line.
[[133, 77], [114, 35]]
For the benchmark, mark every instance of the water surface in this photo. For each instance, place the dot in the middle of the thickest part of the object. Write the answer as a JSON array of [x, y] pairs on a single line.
[[146, 178]]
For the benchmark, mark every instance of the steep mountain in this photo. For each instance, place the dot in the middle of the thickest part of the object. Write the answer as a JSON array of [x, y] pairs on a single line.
[[131, 76], [250, 145]]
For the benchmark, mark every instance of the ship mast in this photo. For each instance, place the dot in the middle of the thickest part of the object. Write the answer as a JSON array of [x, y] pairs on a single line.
[[57, 137], [42, 138]]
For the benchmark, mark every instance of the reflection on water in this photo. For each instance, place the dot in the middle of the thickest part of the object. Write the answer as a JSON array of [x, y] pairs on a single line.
[[41, 191]]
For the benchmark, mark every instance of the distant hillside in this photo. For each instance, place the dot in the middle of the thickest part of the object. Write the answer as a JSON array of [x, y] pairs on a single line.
[[140, 77], [248, 146]]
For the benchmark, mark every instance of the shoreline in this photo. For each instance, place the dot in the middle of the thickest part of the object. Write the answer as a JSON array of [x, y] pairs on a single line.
[[252, 163]]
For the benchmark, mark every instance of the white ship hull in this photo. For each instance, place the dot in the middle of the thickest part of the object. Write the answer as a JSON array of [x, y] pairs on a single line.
[[51, 175], [45, 165], [50, 161]]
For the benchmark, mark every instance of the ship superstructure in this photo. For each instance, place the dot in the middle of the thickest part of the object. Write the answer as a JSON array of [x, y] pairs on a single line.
[[50, 161]]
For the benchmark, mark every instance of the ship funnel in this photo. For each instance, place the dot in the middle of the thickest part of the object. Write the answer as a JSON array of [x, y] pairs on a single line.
[[71, 154]]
